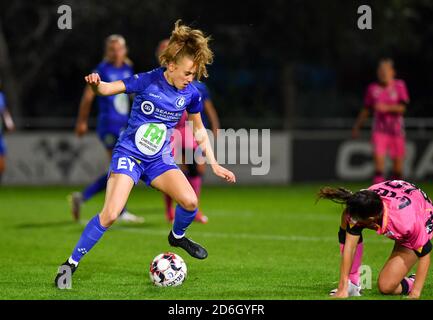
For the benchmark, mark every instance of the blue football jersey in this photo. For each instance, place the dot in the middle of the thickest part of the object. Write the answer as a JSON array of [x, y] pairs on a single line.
[[204, 93], [113, 111], [157, 108], [2, 109]]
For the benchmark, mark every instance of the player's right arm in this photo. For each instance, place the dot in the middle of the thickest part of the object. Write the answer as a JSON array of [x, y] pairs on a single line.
[[81, 126], [102, 88], [362, 117], [346, 264]]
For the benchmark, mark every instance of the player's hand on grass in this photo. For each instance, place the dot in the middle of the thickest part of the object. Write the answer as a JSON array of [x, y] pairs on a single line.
[[93, 80], [224, 173], [341, 294], [81, 128], [414, 295]]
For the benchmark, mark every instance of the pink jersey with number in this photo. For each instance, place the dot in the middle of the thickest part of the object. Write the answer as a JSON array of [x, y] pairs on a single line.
[[395, 93], [408, 213]]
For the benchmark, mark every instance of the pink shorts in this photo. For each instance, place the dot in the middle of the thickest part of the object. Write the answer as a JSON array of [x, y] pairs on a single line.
[[384, 143]]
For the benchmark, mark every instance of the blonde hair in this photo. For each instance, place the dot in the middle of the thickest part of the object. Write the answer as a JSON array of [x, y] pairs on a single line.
[[120, 39], [185, 41]]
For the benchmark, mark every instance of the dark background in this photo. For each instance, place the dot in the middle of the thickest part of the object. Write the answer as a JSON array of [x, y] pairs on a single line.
[[278, 63]]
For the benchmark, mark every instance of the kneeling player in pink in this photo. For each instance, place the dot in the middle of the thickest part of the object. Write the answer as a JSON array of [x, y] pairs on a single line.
[[387, 99], [398, 210]]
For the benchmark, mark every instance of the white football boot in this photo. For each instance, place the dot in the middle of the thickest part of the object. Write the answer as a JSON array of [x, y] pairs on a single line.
[[129, 217]]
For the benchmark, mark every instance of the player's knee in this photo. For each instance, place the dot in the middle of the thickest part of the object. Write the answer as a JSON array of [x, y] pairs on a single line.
[[386, 287], [108, 216], [189, 202]]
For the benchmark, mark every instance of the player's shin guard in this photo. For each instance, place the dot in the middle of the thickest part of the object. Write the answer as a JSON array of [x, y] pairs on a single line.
[[99, 185], [90, 236], [182, 219], [357, 260]]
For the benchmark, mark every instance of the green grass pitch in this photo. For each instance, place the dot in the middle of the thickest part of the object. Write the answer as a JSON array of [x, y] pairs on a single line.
[[263, 243]]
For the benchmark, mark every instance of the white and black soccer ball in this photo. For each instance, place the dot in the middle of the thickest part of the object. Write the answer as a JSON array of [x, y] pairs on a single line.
[[167, 270]]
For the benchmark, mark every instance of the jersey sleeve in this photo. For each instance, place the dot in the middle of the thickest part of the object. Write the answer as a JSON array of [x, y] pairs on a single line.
[[196, 104], [403, 92], [2, 102], [368, 98], [204, 92], [99, 69], [136, 83]]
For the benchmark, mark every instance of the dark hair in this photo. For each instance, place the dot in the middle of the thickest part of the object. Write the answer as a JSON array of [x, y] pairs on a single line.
[[360, 205]]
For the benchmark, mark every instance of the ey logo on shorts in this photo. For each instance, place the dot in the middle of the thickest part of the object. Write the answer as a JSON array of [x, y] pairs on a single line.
[[150, 138], [125, 163]]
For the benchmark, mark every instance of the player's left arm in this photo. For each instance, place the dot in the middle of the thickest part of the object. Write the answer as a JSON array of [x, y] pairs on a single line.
[[9, 122], [421, 276], [394, 108], [350, 245], [202, 138]]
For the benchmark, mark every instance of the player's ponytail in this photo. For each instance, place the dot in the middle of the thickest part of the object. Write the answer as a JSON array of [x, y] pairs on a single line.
[[338, 195], [185, 41], [360, 205]]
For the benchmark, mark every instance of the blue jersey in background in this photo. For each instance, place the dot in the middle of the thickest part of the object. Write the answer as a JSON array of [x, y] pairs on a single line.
[[113, 111], [2, 109]]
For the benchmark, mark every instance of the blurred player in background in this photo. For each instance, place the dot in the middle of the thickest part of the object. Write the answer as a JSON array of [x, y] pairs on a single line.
[[387, 99], [113, 115], [399, 211], [195, 171], [6, 118], [143, 151]]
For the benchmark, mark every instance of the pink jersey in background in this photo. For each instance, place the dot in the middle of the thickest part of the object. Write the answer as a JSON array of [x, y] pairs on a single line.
[[395, 93]]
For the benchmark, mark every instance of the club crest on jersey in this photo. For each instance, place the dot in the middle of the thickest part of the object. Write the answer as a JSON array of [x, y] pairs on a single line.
[[180, 102], [147, 107]]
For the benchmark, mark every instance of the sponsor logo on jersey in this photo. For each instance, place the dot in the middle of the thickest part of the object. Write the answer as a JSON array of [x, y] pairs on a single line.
[[147, 107], [150, 138], [154, 95]]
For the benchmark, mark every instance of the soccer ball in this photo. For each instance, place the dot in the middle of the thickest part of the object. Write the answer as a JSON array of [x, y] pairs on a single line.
[[167, 270]]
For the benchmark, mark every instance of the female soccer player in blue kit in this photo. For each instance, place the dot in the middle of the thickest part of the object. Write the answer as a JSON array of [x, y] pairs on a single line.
[[10, 126], [143, 151], [113, 115], [195, 171]]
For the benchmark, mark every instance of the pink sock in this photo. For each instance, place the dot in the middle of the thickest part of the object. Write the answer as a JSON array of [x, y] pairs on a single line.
[[409, 283], [195, 184], [357, 260]]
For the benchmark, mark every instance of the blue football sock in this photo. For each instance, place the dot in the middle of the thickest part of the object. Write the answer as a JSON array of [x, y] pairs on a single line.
[[90, 236], [99, 185], [182, 219]]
